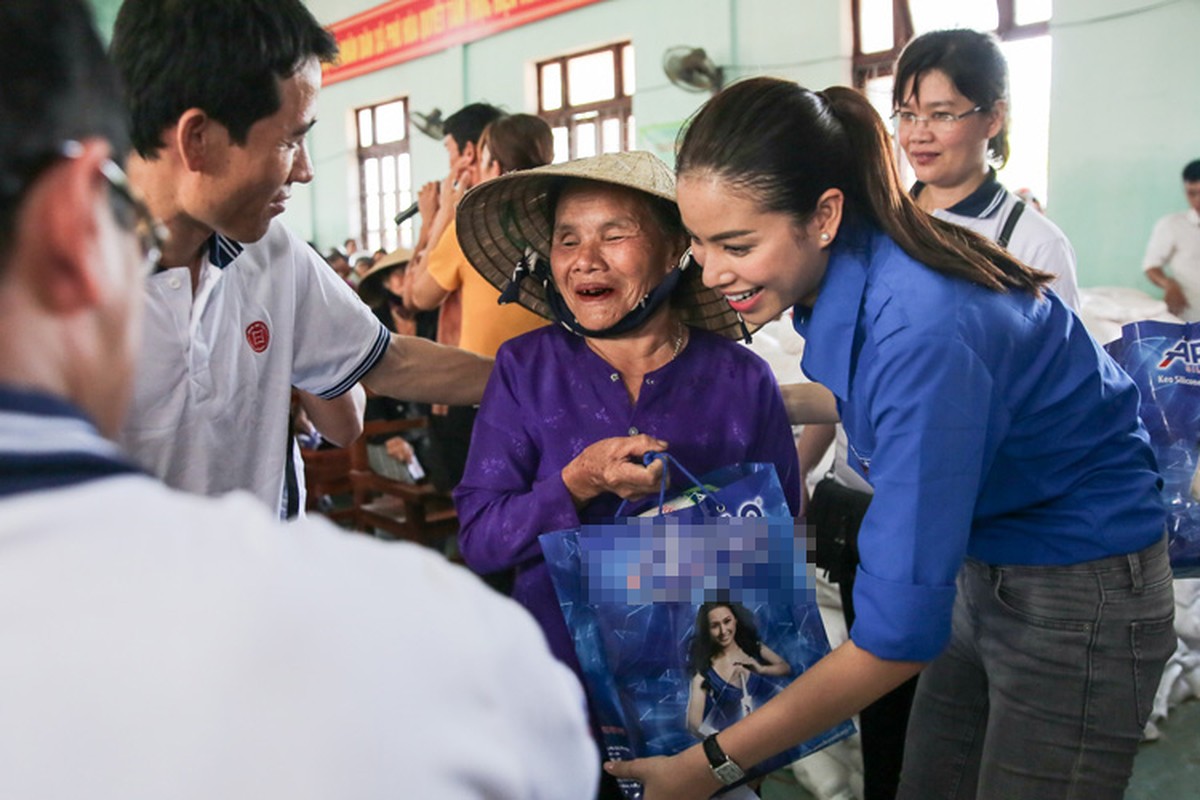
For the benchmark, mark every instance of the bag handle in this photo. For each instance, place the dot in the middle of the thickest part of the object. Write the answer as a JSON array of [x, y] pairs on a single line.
[[651, 456]]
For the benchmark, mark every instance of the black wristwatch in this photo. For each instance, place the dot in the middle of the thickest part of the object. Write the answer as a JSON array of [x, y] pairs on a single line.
[[724, 767]]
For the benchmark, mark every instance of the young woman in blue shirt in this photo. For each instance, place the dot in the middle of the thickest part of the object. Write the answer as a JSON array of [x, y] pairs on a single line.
[[1014, 551]]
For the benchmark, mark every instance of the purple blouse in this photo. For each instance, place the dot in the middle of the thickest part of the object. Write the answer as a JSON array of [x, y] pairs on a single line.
[[550, 396]]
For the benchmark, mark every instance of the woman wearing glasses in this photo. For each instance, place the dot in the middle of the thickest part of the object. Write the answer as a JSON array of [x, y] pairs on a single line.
[[1014, 550], [951, 101]]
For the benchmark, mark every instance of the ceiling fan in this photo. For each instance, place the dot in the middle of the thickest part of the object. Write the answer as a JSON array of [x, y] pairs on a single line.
[[430, 124], [691, 69]]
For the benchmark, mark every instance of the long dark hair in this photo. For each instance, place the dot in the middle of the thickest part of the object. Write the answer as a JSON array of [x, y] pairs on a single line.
[[703, 649], [974, 64], [784, 145]]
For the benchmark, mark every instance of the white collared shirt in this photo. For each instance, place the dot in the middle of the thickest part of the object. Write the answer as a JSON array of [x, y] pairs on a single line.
[[213, 387], [1175, 243]]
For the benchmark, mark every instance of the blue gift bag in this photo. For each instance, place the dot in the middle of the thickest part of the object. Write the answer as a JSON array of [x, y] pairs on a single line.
[[1163, 358], [687, 621]]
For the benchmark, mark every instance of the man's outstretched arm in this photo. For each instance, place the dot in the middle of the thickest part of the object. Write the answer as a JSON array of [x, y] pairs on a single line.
[[418, 369]]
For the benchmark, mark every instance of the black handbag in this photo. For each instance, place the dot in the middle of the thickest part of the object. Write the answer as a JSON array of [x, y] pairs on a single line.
[[835, 514]]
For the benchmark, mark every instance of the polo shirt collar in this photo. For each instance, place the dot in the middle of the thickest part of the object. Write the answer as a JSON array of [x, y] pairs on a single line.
[[983, 202], [1193, 216], [222, 250], [47, 443], [829, 327]]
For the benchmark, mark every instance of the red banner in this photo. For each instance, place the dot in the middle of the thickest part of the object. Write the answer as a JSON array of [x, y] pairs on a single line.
[[402, 30]]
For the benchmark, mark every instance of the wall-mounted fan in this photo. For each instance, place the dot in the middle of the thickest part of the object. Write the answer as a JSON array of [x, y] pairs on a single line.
[[429, 124], [690, 68]]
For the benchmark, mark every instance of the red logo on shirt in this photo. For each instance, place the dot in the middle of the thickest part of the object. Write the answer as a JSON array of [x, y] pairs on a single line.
[[258, 335]]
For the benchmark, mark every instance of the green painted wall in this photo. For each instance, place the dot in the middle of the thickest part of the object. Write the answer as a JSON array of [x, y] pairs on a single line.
[[1125, 88], [1125, 119], [106, 14], [743, 35]]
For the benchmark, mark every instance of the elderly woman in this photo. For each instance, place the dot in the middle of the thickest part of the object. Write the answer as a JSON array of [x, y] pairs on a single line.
[[598, 247]]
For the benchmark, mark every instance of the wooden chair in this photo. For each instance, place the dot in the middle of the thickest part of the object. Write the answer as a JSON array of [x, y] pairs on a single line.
[[413, 511], [327, 474]]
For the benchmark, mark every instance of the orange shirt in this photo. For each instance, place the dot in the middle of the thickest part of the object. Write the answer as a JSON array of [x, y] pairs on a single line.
[[485, 324]]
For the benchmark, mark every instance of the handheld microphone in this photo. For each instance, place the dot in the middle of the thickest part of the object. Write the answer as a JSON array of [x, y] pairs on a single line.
[[407, 214]]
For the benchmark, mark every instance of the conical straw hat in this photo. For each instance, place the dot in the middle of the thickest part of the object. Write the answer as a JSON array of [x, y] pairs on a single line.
[[499, 219]]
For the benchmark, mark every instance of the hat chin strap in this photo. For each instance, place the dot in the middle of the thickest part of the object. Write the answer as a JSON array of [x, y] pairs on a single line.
[[638, 315]]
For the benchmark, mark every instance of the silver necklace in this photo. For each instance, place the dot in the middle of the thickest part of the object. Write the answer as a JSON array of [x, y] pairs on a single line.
[[680, 338]]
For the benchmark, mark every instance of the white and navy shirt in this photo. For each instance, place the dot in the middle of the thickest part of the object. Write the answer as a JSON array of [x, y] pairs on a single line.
[[1035, 240], [213, 388], [1175, 243], [159, 644]]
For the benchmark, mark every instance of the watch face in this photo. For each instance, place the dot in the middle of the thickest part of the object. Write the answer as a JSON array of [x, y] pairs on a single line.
[[728, 772]]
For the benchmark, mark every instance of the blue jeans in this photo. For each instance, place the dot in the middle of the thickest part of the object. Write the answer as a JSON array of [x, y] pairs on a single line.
[[1046, 684]]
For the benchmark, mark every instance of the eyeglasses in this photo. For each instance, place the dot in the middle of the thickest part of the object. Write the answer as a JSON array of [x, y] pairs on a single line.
[[131, 213], [938, 120]]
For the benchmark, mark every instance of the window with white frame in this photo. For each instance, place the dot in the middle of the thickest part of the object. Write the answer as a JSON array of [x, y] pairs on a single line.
[[384, 174], [587, 99], [883, 27]]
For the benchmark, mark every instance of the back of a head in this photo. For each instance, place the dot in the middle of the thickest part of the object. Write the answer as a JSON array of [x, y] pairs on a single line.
[[519, 141], [467, 124], [58, 85], [225, 58], [971, 60]]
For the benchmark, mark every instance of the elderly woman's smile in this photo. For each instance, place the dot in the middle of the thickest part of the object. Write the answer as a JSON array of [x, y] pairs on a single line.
[[605, 255]]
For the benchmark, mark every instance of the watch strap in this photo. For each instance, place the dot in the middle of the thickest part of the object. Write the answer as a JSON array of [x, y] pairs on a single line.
[[723, 767]]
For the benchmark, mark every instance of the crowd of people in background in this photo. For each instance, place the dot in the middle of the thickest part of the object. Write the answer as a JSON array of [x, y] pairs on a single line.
[[993, 491]]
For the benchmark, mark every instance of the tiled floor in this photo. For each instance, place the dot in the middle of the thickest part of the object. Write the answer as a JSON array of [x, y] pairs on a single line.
[[1167, 769]]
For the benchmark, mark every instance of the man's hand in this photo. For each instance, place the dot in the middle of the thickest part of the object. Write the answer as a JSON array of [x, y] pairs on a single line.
[[1174, 297], [427, 200]]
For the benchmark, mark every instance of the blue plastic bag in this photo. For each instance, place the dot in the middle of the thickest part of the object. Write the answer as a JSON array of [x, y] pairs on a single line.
[[1163, 358], [634, 592]]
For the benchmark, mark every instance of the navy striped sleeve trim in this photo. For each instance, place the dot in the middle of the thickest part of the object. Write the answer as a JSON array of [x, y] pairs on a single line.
[[34, 472], [373, 357]]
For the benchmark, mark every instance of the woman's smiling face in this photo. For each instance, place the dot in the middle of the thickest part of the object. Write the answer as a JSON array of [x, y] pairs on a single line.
[[764, 262], [722, 626]]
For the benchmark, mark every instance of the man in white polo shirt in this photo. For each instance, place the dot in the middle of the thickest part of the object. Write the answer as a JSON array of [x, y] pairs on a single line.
[[162, 645], [1175, 244], [222, 96]]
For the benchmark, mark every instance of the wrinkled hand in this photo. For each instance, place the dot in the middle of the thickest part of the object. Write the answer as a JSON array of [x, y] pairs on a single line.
[[665, 778], [1174, 297], [614, 465], [399, 449]]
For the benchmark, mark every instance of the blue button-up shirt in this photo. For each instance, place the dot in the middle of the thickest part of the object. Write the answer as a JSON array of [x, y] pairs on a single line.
[[990, 424]]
